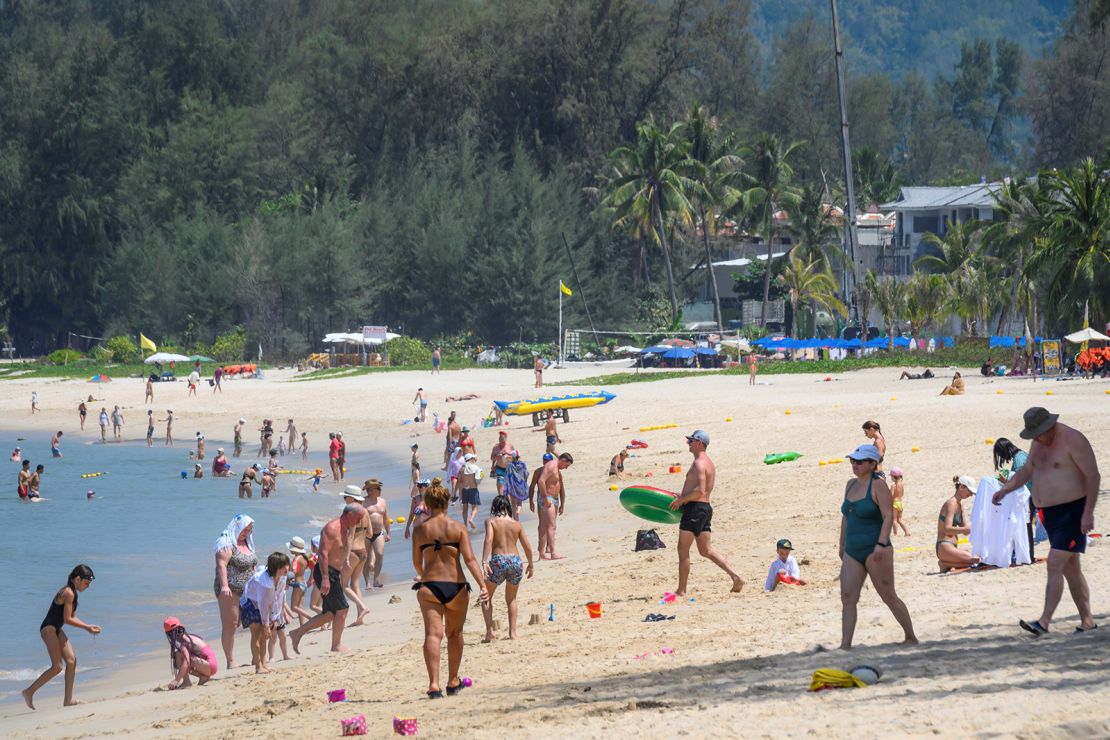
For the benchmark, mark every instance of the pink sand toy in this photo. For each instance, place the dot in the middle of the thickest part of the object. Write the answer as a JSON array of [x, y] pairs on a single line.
[[337, 695], [405, 725], [354, 726], [668, 598]]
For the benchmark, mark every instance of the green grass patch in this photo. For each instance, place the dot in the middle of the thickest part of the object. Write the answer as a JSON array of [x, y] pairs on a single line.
[[966, 357]]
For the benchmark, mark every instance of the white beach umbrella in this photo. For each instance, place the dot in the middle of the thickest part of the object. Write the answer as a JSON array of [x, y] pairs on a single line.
[[164, 358]]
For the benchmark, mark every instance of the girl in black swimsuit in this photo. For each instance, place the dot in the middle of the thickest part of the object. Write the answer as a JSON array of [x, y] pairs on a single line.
[[62, 612], [436, 549]]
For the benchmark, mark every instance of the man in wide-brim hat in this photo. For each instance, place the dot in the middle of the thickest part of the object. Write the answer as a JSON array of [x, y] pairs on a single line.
[[1066, 473]]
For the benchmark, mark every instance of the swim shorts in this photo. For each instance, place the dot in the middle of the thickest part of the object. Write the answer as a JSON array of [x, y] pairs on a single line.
[[470, 496], [335, 600], [551, 439], [499, 474], [506, 568], [54, 452], [149, 432], [248, 613], [1063, 523], [696, 517]]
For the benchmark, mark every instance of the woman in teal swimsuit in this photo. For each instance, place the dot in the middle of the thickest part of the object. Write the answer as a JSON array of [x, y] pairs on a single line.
[[866, 521]]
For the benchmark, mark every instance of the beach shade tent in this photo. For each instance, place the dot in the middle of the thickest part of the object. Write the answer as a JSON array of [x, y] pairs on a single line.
[[710, 351], [656, 350], [163, 358], [1086, 335], [741, 344], [678, 353], [676, 342], [355, 338], [202, 358], [99, 378]]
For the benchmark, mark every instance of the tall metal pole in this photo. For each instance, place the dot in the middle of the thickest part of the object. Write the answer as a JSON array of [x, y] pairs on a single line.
[[851, 239], [581, 292]]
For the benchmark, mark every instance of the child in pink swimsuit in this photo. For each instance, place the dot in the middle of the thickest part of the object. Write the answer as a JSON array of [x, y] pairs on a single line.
[[189, 656]]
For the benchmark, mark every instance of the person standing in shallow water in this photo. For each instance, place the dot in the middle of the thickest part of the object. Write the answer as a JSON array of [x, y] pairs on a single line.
[[62, 613]]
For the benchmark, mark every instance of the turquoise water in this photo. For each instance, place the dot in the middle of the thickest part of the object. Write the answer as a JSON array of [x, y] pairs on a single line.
[[147, 534]]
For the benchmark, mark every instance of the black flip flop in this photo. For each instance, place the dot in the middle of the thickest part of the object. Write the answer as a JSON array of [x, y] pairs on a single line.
[[435, 694], [1088, 629], [452, 690], [1033, 627]]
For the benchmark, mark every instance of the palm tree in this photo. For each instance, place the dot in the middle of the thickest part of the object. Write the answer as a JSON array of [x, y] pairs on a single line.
[[652, 188], [926, 297], [809, 281], [876, 180], [811, 222], [719, 166], [959, 249], [890, 297], [1011, 240], [1076, 251], [767, 181]]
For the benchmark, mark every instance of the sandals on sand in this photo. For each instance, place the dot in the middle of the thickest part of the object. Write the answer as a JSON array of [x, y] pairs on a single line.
[[1033, 627], [1088, 629], [452, 690], [657, 618], [435, 694]]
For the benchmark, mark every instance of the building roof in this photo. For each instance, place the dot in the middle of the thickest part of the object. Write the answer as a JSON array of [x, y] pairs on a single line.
[[932, 198], [740, 262]]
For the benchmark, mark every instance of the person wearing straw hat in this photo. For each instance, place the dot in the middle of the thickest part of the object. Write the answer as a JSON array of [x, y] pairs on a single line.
[[1067, 476], [352, 571], [300, 568]]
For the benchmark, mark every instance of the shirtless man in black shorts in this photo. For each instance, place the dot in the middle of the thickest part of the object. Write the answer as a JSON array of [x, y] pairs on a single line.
[[335, 550], [698, 514], [1063, 468]]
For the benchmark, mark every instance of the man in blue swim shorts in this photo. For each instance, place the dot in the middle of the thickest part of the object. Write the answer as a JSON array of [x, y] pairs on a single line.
[[1063, 465]]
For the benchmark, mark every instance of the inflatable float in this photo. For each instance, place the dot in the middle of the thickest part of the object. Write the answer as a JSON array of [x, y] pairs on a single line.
[[652, 504], [775, 458], [574, 401]]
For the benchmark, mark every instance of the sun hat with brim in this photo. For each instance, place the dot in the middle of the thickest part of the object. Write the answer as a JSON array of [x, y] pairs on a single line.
[[170, 624], [354, 492], [1037, 422], [295, 545], [865, 452]]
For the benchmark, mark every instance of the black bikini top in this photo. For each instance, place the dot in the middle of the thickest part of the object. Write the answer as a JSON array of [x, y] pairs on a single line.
[[439, 545]]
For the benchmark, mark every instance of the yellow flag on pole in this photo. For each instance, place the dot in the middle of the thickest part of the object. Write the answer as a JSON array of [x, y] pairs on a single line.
[[146, 343], [565, 289]]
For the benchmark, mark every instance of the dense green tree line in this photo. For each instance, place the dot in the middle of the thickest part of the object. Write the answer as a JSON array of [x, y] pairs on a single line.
[[181, 167]]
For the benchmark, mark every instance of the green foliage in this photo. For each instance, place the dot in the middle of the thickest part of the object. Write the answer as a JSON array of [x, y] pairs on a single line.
[[229, 347], [408, 352], [522, 354], [64, 356], [122, 349]]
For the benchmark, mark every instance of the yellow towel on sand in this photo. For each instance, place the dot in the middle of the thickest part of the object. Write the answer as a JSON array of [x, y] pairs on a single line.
[[831, 678]]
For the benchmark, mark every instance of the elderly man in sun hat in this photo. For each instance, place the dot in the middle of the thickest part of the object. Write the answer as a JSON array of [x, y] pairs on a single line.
[[1067, 476]]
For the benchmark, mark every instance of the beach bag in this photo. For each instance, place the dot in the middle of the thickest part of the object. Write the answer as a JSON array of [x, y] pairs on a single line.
[[648, 539], [516, 480]]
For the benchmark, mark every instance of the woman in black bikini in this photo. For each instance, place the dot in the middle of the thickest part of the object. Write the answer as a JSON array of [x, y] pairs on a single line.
[[441, 588], [63, 610]]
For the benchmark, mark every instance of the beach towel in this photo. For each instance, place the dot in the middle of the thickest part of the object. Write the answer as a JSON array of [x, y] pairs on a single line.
[[998, 533], [831, 678], [516, 480]]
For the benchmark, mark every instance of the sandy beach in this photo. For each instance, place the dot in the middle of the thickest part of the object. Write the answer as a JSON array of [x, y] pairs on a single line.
[[741, 663]]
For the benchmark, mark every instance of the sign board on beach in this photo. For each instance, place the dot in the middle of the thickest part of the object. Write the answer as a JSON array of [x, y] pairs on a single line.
[[1050, 355], [374, 332]]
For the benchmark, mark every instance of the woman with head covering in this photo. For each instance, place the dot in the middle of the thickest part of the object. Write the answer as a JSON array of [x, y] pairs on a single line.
[[235, 564]]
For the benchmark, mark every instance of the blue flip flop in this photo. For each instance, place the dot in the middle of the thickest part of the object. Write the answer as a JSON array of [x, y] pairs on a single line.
[[1033, 627]]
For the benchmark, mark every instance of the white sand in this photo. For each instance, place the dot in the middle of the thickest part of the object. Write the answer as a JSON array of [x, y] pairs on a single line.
[[742, 663]]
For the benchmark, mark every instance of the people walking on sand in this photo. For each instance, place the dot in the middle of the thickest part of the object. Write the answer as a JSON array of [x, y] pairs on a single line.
[[103, 420], [537, 368], [300, 568], [436, 358], [752, 368], [874, 434], [56, 444], [34, 402], [341, 460], [62, 613], [534, 495], [898, 500], [304, 446], [352, 569], [82, 412], [551, 434], [117, 423], [469, 477], [422, 397], [235, 564], [335, 549], [499, 458], [238, 438], [1063, 465], [148, 395], [454, 431], [697, 514], [379, 531], [438, 546], [189, 656], [553, 499], [194, 380], [217, 378], [952, 523], [261, 607], [867, 516], [501, 561], [169, 427]]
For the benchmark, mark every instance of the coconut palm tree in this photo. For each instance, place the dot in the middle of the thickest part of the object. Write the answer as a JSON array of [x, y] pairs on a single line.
[[959, 249], [1075, 254], [1010, 241], [767, 185], [809, 281], [651, 189], [812, 224], [927, 296], [890, 297], [876, 180], [720, 164]]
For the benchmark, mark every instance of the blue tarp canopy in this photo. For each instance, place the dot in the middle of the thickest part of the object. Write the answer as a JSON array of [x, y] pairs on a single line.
[[678, 353], [656, 350], [1008, 342], [706, 351]]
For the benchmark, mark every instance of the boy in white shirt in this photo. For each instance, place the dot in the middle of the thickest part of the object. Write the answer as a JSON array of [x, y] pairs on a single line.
[[783, 565]]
